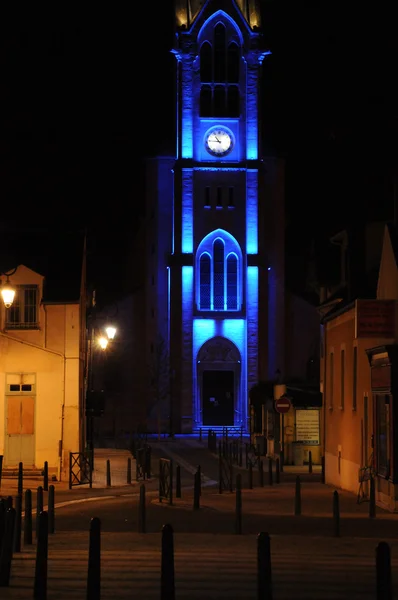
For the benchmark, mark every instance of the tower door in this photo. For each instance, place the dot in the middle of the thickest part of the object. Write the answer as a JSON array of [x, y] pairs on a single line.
[[20, 445], [218, 398]]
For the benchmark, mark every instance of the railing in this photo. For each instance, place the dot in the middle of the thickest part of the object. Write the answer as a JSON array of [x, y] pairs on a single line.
[[80, 469]]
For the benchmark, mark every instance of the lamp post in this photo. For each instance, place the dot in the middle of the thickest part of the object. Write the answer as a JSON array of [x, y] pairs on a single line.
[[97, 338], [7, 290]]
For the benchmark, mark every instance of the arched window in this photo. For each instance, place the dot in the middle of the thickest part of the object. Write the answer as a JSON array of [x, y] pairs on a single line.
[[232, 282], [220, 60], [206, 63], [233, 63], [219, 275], [205, 281]]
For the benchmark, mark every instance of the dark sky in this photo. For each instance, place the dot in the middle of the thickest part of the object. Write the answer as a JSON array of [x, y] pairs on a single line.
[[85, 97]]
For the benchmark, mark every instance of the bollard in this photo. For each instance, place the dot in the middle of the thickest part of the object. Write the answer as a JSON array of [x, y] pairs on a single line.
[[250, 476], [336, 514], [277, 471], [383, 572], [18, 524], [129, 471], [20, 479], [309, 461], [196, 491], [178, 481], [323, 469], [45, 477], [220, 470], [297, 497], [167, 582], [200, 434], [51, 509], [261, 473], [200, 480], [7, 547], [108, 473], [40, 584], [39, 506], [372, 499], [94, 561], [240, 454], [142, 510], [28, 522], [264, 571], [270, 480], [238, 505], [2, 520], [148, 466]]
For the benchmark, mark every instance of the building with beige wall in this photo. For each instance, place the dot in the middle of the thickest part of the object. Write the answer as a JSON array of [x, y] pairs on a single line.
[[42, 358], [358, 391]]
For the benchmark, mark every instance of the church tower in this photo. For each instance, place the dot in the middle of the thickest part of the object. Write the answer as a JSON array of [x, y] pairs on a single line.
[[218, 222]]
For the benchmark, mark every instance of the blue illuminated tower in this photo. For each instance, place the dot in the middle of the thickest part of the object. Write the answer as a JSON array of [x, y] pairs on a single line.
[[219, 224]]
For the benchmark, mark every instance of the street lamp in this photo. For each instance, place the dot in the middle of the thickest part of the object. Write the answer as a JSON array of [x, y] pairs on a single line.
[[7, 290]]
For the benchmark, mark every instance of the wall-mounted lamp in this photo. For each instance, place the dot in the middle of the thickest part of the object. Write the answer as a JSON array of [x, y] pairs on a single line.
[[7, 290]]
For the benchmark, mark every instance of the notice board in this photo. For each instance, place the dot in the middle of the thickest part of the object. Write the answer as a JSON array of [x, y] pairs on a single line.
[[307, 426]]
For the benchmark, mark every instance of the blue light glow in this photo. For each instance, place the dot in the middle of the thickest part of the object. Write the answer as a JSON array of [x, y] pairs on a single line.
[[252, 212], [187, 212], [187, 286]]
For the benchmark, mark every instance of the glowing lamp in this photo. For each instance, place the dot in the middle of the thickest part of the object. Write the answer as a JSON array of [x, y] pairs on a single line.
[[8, 294], [103, 342], [110, 332]]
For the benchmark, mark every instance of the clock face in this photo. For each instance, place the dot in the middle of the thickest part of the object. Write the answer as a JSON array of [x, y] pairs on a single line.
[[219, 142]]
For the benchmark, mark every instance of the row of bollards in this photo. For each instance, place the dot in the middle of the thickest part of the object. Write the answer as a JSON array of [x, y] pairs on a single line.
[[11, 526], [167, 569], [143, 471]]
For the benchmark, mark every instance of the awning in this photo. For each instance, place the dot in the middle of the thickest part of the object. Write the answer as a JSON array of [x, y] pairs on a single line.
[[302, 397]]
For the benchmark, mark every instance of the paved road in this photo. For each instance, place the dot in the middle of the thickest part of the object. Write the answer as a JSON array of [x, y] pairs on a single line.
[[206, 567]]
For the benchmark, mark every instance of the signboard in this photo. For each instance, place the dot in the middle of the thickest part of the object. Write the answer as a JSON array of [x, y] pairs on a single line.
[[282, 405], [307, 426], [375, 318]]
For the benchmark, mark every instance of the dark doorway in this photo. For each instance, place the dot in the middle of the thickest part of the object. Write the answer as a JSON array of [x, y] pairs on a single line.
[[218, 397]]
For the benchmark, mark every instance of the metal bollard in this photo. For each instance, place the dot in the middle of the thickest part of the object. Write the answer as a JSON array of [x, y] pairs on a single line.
[[142, 510], [129, 471], [383, 572], [40, 584], [7, 548], [20, 479], [264, 570], [28, 522], [45, 477], [178, 481], [238, 505], [167, 580], [309, 461], [18, 524], [94, 561], [297, 497], [39, 506], [336, 514], [51, 509], [108, 473], [372, 499]]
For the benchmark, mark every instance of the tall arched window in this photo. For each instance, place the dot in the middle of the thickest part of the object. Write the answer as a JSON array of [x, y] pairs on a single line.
[[219, 273], [205, 281], [220, 60]]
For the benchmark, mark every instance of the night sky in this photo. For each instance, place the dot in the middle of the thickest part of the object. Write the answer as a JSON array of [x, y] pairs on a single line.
[[86, 98]]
